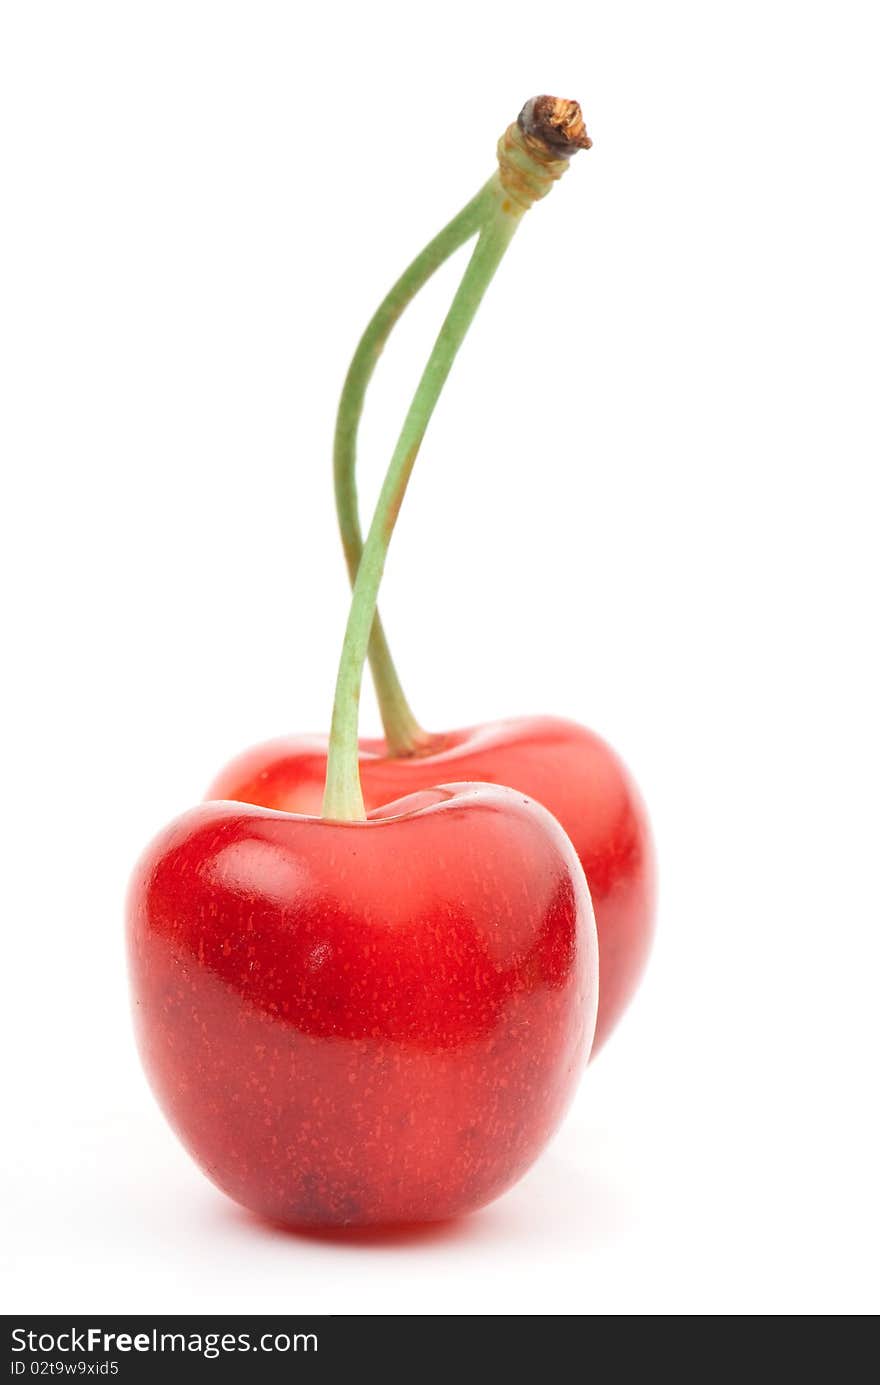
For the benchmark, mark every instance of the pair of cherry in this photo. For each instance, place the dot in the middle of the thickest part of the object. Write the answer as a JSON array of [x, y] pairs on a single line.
[[367, 974]]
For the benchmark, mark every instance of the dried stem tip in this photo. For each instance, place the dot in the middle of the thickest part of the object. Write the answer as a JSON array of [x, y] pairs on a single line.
[[556, 124]]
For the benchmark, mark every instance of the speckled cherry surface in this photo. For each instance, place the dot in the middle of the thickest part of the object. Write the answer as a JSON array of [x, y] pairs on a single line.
[[364, 1023], [569, 769]]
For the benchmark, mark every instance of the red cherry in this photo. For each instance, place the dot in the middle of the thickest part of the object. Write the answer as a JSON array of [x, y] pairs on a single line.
[[368, 1022], [560, 764]]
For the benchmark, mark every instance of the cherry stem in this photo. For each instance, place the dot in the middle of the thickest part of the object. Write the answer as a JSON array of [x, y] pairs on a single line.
[[531, 155], [342, 796], [403, 733]]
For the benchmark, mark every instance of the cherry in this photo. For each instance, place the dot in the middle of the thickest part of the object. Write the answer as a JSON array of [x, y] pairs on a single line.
[[355, 1023], [374, 1019]]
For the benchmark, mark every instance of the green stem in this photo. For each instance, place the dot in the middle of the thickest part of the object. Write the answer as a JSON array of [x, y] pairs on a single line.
[[342, 796], [532, 154], [403, 733]]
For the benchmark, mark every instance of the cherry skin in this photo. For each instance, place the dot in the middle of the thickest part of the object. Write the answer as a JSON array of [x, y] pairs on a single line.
[[560, 764], [374, 1022]]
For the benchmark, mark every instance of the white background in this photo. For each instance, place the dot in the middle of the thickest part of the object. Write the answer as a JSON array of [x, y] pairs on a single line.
[[648, 502]]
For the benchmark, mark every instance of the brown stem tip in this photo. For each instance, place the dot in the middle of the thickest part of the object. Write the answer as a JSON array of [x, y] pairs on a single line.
[[557, 124]]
